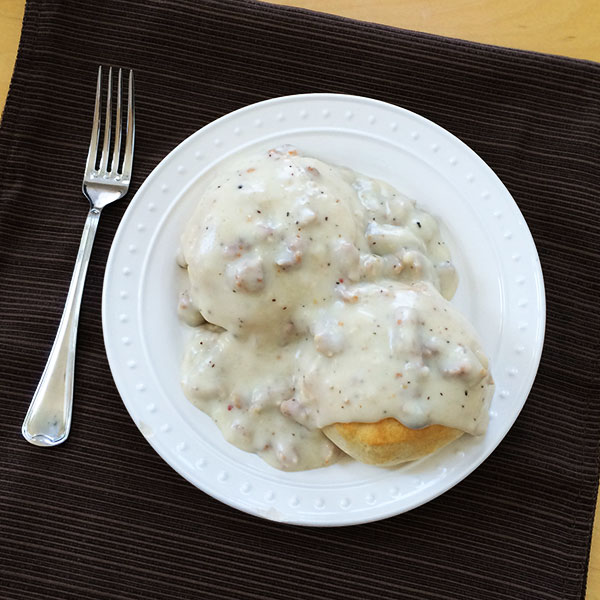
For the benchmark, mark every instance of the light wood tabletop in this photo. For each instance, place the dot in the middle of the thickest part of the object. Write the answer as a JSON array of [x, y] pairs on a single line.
[[565, 27]]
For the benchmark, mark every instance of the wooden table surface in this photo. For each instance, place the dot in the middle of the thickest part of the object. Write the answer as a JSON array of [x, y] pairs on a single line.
[[566, 27]]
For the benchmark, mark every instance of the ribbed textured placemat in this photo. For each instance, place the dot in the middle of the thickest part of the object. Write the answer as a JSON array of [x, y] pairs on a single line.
[[103, 516]]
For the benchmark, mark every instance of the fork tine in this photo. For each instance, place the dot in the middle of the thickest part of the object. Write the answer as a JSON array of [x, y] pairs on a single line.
[[107, 125], [90, 165], [117, 144], [130, 139]]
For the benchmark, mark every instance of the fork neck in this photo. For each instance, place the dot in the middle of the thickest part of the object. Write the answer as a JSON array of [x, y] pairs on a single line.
[[87, 240]]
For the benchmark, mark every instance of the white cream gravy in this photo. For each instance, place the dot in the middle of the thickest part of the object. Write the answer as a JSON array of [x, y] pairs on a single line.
[[317, 296]]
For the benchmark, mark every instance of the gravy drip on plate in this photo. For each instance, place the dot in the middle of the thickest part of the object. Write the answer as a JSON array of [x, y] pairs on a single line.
[[318, 295]]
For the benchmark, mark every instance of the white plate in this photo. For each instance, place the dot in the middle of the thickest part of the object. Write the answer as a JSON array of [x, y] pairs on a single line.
[[501, 291]]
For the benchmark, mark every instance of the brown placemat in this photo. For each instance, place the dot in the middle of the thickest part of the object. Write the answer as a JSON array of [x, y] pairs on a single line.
[[103, 516]]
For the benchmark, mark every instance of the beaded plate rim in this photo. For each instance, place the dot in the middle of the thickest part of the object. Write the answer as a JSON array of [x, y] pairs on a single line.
[[325, 499]]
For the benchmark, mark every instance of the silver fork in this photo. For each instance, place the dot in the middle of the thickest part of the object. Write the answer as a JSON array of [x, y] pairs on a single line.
[[48, 419]]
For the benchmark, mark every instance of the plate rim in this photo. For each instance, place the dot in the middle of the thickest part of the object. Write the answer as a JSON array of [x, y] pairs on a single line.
[[355, 518]]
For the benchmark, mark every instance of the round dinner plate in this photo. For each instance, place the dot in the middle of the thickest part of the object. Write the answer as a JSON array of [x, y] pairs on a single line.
[[501, 291]]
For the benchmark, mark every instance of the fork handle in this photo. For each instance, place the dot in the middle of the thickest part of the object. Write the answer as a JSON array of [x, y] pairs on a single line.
[[48, 419]]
